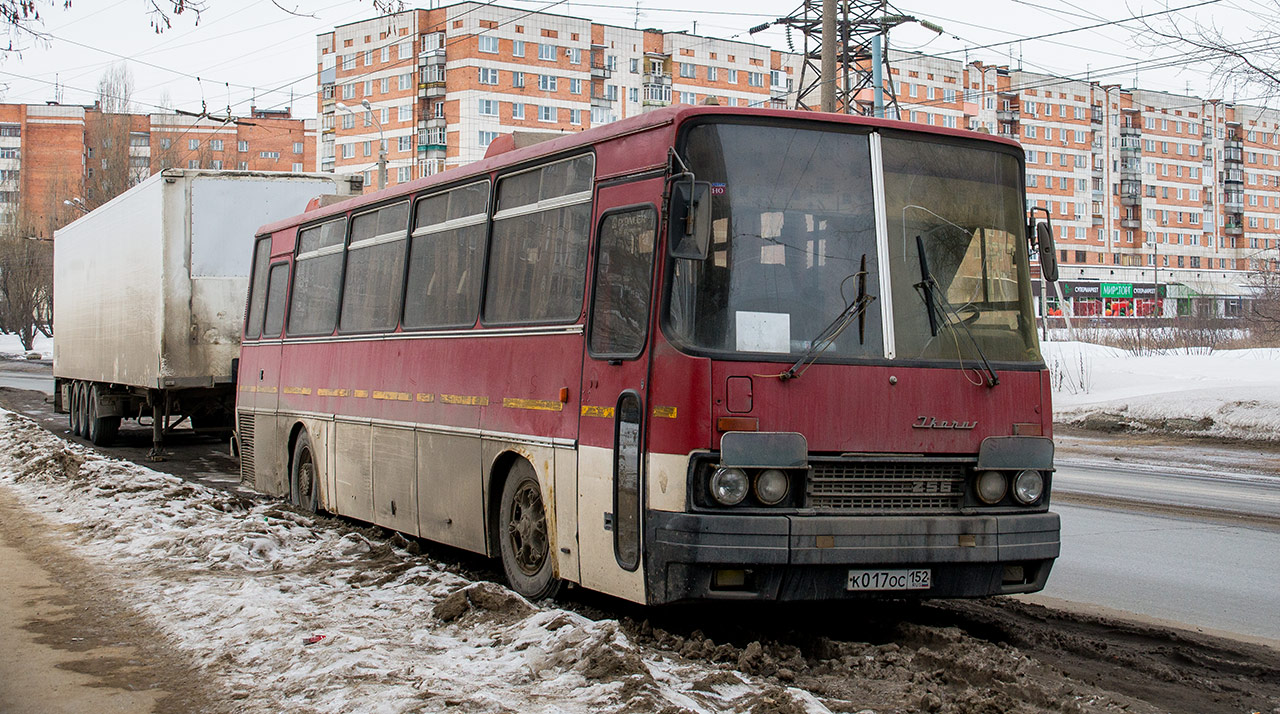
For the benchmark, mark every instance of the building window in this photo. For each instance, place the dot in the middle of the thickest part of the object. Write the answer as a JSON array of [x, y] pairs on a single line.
[[386, 54], [489, 44], [348, 62], [517, 48], [348, 151], [732, 76], [404, 112], [404, 81], [297, 147], [269, 154], [403, 174], [488, 108], [215, 144], [713, 74], [193, 144], [244, 165], [635, 66], [546, 113], [384, 85], [688, 71], [546, 83], [575, 116], [348, 91], [404, 143], [546, 52], [633, 95], [487, 137], [216, 164], [439, 110], [517, 80], [193, 164], [575, 86], [368, 88], [517, 111], [488, 75], [348, 121]]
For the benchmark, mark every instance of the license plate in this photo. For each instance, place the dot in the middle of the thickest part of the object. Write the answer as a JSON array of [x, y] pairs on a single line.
[[919, 579]]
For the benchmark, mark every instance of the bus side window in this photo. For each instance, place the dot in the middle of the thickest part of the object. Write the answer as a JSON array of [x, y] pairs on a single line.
[[276, 285], [372, 287], [445, 255], [538, 256], [317, 278], [624, 272], [257, 294]]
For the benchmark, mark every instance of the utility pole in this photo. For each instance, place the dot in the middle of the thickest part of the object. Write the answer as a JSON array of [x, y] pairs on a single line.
[[848, 37]]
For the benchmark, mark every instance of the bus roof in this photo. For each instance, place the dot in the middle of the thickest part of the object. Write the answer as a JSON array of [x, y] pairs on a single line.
[[658, 117]]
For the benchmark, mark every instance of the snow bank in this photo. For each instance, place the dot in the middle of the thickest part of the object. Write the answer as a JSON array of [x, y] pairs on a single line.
[[290, 613], [1229, 393], [11, 346]]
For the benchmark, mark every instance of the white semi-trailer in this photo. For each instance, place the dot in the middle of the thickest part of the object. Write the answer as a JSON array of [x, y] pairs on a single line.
[[150, 291]]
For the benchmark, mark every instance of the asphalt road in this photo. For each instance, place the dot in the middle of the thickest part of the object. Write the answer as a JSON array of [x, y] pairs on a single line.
[[22, 379], [1138, 538]]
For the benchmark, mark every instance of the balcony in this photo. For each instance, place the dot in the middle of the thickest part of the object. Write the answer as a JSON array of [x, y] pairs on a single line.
[[1131, 199], [437, 123], [658, 79], [1233, 155], [1233, 143], [1233, 229], [1130, 223], [600, 71], [432, 147], [1233, 202], [1007, 115], [1131, 130], [1095, 116], [431, 90], [600, 101], [1099, 170], [431, 58], [1233, 176]]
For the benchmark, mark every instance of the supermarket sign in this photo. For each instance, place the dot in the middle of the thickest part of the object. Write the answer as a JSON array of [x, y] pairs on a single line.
[[1117, 290]]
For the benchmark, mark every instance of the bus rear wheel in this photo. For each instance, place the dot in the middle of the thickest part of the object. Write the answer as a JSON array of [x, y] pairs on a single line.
[[73, 409], [304, 482], [99, 430], [524, 542]]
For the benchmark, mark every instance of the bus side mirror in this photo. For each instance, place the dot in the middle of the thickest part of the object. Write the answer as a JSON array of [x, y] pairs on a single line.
[[689, 220], [1048, 252]]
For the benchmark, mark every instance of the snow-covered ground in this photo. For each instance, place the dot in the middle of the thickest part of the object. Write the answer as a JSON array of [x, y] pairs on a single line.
[[1231, 393], [11, 346], [289, 613]]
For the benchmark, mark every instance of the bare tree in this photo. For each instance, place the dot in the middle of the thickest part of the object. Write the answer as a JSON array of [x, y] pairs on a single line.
[[23, 20], [1247, 60], [109, 171], [26, 280], [1263, 310]]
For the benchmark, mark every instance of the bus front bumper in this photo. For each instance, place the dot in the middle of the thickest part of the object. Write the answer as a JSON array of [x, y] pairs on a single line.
[[692, 556]]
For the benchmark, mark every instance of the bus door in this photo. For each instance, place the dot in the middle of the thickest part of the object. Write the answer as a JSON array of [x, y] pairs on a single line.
[[615, 384]]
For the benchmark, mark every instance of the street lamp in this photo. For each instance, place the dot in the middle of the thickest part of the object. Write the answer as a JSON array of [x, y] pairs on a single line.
[[77, 204], [382, 142], [1155, 271]]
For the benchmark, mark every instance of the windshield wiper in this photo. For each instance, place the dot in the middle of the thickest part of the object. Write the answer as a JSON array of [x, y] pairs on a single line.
[[823, 341], [936, 302]]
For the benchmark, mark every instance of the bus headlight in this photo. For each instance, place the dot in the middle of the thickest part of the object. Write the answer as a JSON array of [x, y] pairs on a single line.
[[772, 486], [991, 486], [1028, 487], [729, 486]]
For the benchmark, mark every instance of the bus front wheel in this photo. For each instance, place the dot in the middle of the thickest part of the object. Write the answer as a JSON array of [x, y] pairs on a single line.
[[524, 542], [304, 483]]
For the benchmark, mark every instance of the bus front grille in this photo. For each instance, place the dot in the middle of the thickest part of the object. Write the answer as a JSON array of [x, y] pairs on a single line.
[[244, 436], [916, 486]]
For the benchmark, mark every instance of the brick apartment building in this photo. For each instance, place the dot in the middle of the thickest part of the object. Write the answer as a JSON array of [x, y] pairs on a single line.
[[443, 83], [53, 153]]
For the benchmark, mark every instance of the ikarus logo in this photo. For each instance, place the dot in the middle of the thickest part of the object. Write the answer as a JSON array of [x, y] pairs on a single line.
[[928, 422]]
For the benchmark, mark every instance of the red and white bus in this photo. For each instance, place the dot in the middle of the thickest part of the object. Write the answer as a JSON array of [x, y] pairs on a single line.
[[701, 353]]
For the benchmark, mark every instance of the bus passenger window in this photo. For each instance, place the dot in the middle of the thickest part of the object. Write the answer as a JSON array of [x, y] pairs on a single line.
[[276, 285], [257, 293], [375, 270], [445, 255], [317, 276], [538, 257]]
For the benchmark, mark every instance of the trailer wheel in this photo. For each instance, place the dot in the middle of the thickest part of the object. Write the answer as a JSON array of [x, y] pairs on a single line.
[[73, 410], [524, 542], [99, 430], [304, 481]]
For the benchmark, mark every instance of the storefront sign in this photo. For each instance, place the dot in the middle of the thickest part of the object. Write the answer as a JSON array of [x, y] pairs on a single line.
[[1117, 290]]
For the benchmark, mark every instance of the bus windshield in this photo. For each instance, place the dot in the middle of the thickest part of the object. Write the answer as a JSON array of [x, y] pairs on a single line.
[[794, 245]]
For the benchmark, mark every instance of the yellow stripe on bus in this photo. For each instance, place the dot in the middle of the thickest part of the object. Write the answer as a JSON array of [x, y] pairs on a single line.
[[426, 398], [361, 393], [393, 396], [464, 400], [536, 404], [297, 390], [605, 412], [332, 392], [266, 390], [665, 412]]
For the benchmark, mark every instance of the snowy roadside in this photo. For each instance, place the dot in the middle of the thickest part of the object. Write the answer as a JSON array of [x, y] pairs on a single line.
[[11, 347], [247, 588], [1229, 393]]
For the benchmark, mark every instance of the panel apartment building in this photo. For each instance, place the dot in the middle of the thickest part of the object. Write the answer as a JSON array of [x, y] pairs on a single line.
[[54, 153], [1150, 193], [441, 84]]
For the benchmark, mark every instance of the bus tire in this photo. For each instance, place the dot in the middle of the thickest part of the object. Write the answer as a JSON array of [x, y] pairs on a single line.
[[99, 430], [304, 480], [524, 542]]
